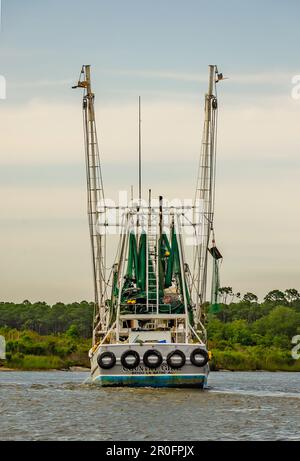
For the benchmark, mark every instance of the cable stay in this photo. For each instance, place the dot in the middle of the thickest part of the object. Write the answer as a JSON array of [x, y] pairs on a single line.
[[204, 200], [95, 195]]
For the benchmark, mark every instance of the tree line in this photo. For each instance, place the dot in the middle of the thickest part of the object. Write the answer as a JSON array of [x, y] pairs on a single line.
[[45, 319], [243, 334], [247, 322], [284, 298]]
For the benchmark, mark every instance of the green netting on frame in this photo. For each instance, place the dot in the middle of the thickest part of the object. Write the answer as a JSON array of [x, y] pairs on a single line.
[[215, 285]]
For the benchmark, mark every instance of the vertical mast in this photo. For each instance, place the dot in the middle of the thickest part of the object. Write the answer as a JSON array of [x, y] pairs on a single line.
[[205, 190], [95, 194], [140, 153]]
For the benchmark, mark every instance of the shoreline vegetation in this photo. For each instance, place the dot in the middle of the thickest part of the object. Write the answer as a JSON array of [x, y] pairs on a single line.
[[243, 334]]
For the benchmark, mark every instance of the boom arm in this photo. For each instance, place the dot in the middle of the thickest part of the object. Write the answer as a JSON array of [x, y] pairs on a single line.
[[95, 194], [205, 191]]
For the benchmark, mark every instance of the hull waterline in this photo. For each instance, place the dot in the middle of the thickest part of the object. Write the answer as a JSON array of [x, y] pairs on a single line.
[[187, 376]]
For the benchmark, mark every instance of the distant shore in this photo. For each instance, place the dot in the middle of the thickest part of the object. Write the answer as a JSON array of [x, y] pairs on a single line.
[[71, 369], [242, 336], [236, 358], [74, 368], [87, 370]]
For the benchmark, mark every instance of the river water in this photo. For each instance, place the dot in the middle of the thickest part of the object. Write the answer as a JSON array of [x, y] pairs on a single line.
[[236, 406]]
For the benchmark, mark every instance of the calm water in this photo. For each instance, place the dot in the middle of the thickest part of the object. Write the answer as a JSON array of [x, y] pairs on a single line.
[[237, 406]]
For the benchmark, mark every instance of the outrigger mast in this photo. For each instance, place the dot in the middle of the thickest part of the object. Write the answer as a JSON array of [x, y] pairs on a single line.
[[205, 192], [95, 195]]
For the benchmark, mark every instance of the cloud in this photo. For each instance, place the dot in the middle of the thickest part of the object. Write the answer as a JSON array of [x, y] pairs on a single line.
[[42, 83], [45, 244], [42, 203], [45, 260], [252, 78], [257, 225], [165, 75], [44, 132], [40, 132]]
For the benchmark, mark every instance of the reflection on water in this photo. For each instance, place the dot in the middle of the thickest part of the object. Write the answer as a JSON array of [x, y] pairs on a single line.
[[236, 406]]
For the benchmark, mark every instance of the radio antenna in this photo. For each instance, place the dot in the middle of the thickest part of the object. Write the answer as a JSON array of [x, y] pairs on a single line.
[[140, 153]]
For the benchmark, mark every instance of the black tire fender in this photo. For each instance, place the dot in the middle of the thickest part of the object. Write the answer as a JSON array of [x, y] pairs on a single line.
[[106, 366], [136, 362], [176, 352], [202, 352], [152, 352]]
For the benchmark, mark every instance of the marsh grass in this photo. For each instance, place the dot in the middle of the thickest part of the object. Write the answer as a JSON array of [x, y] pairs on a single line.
[[253, 358]]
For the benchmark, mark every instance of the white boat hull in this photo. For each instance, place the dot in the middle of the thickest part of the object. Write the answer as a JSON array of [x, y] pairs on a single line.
[[188, 375]]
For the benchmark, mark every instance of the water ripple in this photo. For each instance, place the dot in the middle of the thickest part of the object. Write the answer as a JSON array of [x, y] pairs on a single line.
[[64, 406]]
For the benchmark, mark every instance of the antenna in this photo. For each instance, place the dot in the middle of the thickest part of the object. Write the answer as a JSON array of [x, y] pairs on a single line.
[[131, 194], [140, 153]]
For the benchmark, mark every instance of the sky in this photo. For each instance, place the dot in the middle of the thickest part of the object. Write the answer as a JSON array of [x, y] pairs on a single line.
[[159, 50]]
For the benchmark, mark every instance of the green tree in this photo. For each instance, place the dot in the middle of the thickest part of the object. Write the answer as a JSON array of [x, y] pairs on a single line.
[[275, 297], [291, 295], [250, 297], [238, 332], [225, 292], [281, 320], [73, 332]]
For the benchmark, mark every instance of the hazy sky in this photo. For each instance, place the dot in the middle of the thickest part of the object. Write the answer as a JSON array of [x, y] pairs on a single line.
[[158, 49]]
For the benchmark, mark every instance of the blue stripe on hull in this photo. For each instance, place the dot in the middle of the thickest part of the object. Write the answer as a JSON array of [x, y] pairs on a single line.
[[195, 381]]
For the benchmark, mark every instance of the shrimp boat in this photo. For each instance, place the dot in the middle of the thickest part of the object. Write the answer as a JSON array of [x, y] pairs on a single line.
[[149, 319]]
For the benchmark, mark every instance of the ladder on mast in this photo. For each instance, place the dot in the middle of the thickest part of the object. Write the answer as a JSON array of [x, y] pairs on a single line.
[[205, 190], [95, 194], [152, 261]]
